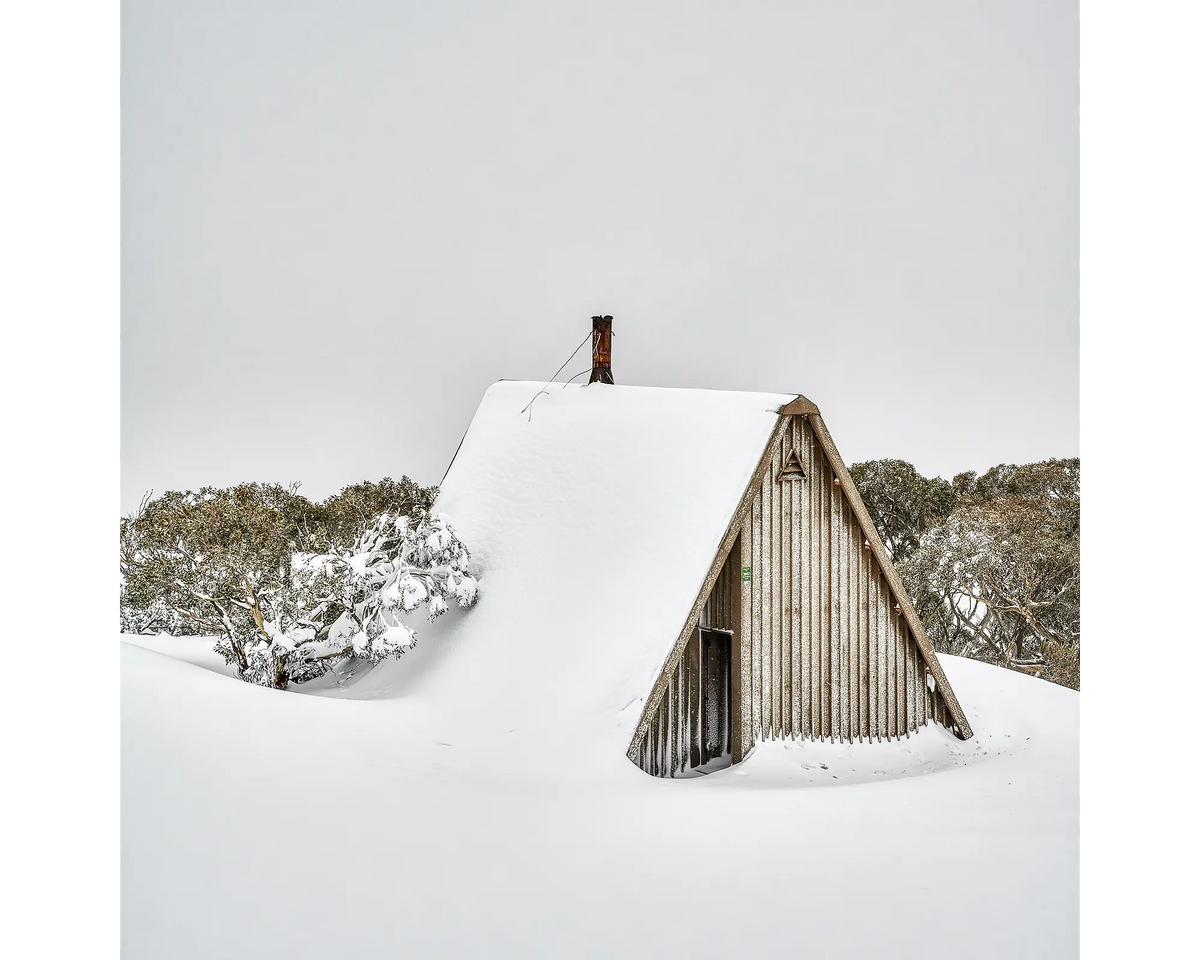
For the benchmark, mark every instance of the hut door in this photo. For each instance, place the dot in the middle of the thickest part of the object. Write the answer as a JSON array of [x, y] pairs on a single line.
[[716, 691]]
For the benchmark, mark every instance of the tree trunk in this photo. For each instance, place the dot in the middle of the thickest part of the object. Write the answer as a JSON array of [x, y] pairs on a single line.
[[281, 674], [242, 663]]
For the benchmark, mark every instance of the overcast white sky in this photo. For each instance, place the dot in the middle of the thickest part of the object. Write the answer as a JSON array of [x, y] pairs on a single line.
[[343, 220]]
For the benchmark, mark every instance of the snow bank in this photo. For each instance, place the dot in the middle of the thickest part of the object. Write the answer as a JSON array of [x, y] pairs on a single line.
[[257, 823]]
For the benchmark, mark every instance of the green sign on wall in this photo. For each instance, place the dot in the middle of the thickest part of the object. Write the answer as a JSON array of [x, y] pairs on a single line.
[[745, 574]]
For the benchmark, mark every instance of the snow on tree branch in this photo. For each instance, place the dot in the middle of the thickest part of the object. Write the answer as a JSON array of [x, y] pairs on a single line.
[[392, 569]]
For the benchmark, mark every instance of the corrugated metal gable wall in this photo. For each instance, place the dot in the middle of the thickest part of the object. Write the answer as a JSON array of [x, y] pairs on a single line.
[[828, 655]]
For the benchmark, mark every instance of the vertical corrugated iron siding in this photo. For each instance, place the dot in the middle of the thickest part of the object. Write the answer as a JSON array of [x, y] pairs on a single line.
[[830, 656]]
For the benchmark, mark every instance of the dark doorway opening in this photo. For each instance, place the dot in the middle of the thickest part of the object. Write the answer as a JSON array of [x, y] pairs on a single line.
[[716, 698]]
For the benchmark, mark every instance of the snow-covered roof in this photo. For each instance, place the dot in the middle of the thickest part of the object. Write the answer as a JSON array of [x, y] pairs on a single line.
[[593, 517]]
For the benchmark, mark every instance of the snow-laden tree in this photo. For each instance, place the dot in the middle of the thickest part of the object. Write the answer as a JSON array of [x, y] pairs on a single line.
[[157, 617], [395, 567], [153, 613], [246, 564], [219, 560]]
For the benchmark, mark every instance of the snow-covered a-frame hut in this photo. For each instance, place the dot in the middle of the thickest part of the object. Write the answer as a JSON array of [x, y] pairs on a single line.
[[691, 571]]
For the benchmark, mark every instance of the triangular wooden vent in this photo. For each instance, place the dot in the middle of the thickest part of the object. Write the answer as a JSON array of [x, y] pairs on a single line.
[[793, 469]]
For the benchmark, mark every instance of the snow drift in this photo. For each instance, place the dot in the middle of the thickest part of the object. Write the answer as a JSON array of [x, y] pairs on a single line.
[[257, 823], [592, 517]]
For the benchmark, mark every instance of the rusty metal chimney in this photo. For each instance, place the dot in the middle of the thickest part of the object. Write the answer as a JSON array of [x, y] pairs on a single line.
[[601, 350]]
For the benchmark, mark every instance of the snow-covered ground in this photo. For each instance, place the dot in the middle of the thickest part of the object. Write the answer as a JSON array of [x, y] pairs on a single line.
[[371, 821]]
